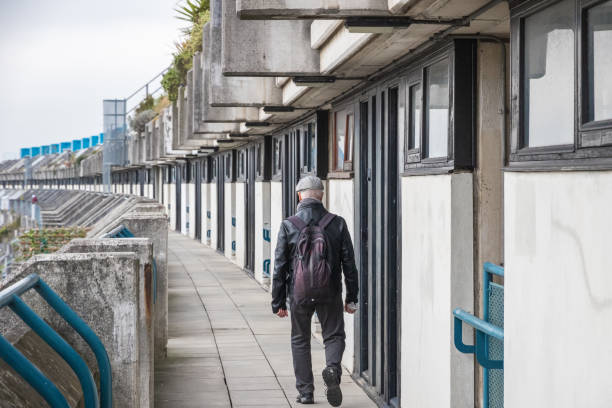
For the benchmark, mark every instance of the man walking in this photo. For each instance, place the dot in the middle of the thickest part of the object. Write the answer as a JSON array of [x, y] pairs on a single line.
[[313, 249]]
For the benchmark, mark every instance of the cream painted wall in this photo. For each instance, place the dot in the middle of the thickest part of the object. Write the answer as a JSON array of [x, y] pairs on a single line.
[[558, 290], [240, 228], [213, 216], [230, 205], [262, 222], [276, 218], [340, 201], [437, 277]]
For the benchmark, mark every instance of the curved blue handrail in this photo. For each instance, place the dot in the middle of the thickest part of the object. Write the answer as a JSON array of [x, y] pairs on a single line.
[[10, 297]]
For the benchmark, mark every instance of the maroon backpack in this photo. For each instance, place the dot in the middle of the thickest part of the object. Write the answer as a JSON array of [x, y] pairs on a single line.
[[311, 264]]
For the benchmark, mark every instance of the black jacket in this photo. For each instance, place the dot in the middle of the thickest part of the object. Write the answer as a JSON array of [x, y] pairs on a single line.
[[342, 256]]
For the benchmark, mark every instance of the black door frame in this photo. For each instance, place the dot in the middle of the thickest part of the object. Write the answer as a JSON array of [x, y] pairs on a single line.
[[377, 218], [178, 181], [250, 208]]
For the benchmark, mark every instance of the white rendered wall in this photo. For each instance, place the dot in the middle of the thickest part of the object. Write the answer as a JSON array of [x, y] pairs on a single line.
[[558, 290], [262, 223], [276, 218], [192, 210], [172, 205], [205, 193], [184, 208], [437, 277], [240, 224], [340, 199], [213, 215], [230, 206]]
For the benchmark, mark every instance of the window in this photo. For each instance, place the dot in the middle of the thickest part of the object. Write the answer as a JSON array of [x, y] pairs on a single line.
[[437, 109], [228, 167], [548, 83], [259, 160], [344, 126], [599, 62], [564, 112], [214, 169], [277, 156], [308, 148], [242, 154], [415, 95]]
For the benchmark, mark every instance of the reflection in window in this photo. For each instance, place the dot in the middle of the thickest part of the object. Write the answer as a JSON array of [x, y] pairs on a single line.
[[548, 86], [599, 65], [344, 135], [313, 147], [438, 103], [415, 94]]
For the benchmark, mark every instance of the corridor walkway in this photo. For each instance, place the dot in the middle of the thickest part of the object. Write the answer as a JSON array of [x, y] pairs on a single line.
[[225, 347]]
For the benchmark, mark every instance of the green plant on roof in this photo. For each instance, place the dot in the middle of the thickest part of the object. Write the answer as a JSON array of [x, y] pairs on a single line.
[[198, 14]]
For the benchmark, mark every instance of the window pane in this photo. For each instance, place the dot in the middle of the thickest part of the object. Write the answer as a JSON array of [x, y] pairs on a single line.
[[599, 24], [416, 97], [548, 86], [340, 129], [350, 126], [437, 109], [313, 147]]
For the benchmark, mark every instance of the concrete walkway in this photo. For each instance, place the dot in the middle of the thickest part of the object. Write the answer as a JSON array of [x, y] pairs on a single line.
[[225, 347]]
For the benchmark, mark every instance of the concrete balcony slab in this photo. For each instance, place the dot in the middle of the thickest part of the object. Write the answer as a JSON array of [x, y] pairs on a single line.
[[234, 91], [266, 48]]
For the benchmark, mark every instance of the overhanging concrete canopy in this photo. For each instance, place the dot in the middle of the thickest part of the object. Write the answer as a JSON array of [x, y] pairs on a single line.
[[235, 91], [266, 48], [208, 113]]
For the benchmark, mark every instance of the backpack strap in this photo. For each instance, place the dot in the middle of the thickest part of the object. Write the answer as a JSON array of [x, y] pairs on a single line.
[[297, 222], [326, 219]]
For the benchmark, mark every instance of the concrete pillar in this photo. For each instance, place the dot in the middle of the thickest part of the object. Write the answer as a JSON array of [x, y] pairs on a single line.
[[276, 218], [240, 227], [205, 213], [185, 207], [214, 214], [192, 210]]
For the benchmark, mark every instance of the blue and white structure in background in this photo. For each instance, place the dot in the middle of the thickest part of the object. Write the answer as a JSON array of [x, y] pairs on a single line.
[[55, 148]]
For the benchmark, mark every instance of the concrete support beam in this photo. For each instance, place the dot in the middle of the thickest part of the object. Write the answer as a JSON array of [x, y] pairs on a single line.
[[235, 91], [266, 48]]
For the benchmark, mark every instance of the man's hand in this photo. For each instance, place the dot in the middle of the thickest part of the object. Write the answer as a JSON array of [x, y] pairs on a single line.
[[282, 313], [348, 309]]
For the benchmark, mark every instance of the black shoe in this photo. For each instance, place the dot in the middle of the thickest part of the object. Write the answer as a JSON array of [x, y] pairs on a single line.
[[305, 399], [331, 376]]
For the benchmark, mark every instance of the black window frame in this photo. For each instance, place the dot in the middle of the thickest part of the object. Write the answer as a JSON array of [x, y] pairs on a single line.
[[230, 166], [277, 157], [592, 143], [241, 165], [461, 56]]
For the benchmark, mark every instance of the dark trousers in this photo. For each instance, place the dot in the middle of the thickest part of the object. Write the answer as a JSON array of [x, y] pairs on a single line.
[[331, 317]]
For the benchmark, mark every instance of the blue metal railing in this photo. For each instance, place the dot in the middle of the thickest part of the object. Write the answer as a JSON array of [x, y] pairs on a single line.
[[122, 232], [489, 342], [29, 372]]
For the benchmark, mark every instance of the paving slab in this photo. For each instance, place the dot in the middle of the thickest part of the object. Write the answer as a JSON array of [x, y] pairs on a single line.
[[225, 348]]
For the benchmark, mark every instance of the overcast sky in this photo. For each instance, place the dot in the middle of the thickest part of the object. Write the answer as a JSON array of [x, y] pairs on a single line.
[[60, 59]]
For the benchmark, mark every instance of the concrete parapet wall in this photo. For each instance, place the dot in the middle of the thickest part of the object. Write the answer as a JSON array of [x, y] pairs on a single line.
[[103, 289], [143, 248]]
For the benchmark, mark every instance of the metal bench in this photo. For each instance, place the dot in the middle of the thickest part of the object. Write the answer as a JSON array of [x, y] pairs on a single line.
[[489, 344], [11, 297]]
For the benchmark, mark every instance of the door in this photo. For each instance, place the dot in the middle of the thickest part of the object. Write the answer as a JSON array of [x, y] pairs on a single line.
[[250, 209], [378, 213], [221, 203], [196, 177]]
